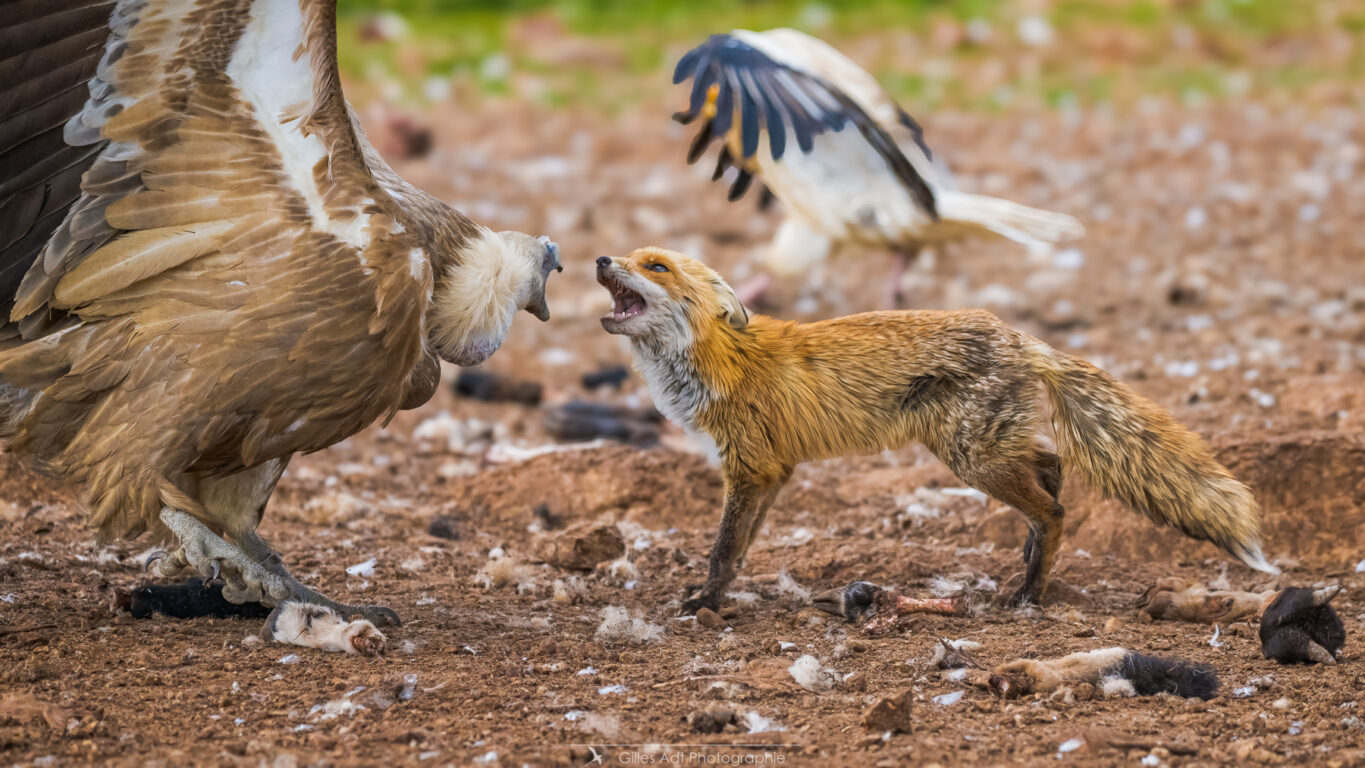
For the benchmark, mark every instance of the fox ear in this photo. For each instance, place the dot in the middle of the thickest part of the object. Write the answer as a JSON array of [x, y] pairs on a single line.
[[732, 310]]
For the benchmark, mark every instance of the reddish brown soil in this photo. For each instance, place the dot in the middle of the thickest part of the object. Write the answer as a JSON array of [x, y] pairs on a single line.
[[1244, 316]]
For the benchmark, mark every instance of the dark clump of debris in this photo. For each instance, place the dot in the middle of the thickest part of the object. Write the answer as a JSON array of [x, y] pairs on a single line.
[[444, 527], [611, 376], [1300, 625], [189, 600], [496, 388], [578, 421], [712, 719]]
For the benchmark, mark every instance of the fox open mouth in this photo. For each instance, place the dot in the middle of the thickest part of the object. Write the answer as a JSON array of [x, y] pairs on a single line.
[[625, 302]]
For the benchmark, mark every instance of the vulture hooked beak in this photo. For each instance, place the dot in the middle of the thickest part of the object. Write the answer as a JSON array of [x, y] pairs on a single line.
[[549, 262]]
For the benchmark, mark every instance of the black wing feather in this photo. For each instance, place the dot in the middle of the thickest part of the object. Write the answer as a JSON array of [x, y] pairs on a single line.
[[51, 49], [773, 97]]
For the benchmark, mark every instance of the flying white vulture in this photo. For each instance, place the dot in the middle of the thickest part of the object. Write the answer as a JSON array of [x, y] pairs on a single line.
[[875, 186]]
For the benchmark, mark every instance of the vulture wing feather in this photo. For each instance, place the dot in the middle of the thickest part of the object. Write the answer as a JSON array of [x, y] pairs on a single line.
[[764, 94]]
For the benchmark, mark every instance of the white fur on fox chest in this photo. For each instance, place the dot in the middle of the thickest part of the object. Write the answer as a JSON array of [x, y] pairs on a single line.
[[673, 385]]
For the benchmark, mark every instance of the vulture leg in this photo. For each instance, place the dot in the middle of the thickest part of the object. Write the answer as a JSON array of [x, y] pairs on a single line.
[[754, 291], [252, 572], [901, 258], [258, 551], [211, 556]]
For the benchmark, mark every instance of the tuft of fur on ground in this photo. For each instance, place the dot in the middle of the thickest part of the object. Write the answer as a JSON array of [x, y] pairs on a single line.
[[618, 627]]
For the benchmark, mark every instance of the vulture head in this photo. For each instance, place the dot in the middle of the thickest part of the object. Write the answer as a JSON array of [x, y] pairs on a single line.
[[497, 275]]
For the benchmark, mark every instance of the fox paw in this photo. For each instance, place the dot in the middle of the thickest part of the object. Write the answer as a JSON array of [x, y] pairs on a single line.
[[1022, 598], [697, 600]]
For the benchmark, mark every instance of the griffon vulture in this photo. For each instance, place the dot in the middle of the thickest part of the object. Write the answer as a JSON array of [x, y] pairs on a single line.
[[206, 269], [877, 185]]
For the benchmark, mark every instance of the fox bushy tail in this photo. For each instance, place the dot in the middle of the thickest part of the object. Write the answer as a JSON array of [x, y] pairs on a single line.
[[1131, 449]]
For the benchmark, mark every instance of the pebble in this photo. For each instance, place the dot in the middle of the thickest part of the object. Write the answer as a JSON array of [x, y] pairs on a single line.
[[710, 619]]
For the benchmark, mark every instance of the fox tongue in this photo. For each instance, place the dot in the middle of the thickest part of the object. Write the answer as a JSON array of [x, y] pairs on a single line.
[[627, 304]]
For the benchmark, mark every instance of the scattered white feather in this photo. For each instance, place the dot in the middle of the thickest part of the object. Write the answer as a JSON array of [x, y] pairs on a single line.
[[1150, 760], [942, 586], [966, 493], [949, 699], [289, 658], [1244, 691], [413, 564], [622, 570], [1070, 745], [604, 725], [567, 590], [336, 708], [364, 570], [1214, 641], [789, 588], [941, 652], [608, 690], [556, 356], [743, 598], [618, 626], [589, 670], [505, 571], [1360, 567], [810, 674], [512, 454], [756, 723]]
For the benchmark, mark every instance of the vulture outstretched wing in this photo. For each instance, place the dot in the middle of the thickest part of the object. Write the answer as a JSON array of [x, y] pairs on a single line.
[[741, 89], [183, 153], [192, 229]]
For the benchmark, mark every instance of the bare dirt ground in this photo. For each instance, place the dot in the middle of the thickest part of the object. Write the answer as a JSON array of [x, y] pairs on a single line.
[[1223, 275]]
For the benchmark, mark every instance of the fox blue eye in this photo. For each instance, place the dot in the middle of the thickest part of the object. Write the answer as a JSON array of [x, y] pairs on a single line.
[[657, 268]]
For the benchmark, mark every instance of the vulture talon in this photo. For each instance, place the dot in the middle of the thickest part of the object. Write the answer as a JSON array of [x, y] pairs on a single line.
[[159, 554]]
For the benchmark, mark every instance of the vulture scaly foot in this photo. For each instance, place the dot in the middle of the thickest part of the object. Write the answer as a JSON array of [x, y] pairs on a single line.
[[211, 556], [259, 551]]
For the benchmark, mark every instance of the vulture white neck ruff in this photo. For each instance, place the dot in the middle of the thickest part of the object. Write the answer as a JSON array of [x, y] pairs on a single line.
[[475, 306], [272, 67]]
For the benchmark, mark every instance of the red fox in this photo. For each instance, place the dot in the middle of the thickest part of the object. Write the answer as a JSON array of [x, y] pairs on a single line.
[[774, 394]]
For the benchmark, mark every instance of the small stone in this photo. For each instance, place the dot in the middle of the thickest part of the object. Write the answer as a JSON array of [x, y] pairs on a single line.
[[710, 619], [582, 546], [890, 714], [856, 682]]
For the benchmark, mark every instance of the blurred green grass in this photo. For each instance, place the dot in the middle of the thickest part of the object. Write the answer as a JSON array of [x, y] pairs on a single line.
[[967, 54]]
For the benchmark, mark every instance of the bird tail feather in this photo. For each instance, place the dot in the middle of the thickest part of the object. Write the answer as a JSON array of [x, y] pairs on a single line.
[[1020, 223]]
